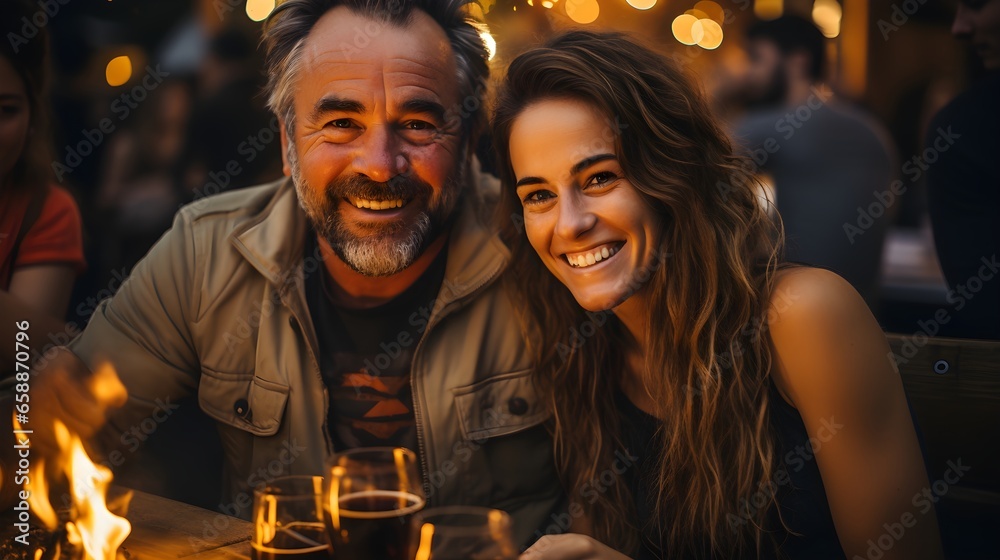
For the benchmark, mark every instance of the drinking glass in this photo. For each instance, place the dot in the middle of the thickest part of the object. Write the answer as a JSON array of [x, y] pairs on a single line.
[[461, 533], [288, 520], [369, 496]]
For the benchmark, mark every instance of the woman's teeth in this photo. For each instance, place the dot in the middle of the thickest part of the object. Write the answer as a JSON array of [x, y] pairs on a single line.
[[377, 204], [589, 259]]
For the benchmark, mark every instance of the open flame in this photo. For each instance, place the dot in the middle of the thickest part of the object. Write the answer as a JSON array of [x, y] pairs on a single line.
[[94, 529]]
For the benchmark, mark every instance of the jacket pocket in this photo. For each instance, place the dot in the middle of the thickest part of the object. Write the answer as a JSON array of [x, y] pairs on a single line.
[[242, 401], [501, 405]]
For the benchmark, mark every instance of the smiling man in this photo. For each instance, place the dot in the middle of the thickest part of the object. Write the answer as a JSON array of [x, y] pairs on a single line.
[[356, 303]]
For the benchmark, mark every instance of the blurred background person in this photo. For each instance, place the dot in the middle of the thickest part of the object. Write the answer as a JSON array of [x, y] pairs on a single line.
[[231, 141], [964, 182], [138, 195], [41, 247], [825, 159]]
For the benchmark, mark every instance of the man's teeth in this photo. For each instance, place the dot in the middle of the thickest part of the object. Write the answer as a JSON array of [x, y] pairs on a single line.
[[592, 258], [377, 204]]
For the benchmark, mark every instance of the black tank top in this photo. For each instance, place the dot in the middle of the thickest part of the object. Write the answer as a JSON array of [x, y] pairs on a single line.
[[808, 531]]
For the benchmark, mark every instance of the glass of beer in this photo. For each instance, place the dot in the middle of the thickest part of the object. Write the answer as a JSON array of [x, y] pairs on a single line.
[[369, 497], [461, 533], [288, 520]]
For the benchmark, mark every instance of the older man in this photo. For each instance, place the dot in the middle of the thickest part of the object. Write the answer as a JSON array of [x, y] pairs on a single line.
[[356, 304]]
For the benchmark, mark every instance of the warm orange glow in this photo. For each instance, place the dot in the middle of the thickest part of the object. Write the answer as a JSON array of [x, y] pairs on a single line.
[[712, 11], [685, 30], [96, 530], [583, 11], [642, 4], [258, 10], [426, 541], [827, 15], [854, 42], [768, 9], [697, 13], [711, 33], [118, 71], [337, 474]]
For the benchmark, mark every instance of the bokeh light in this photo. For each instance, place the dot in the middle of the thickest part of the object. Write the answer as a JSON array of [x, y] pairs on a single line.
[[118, 71], [685, 30], [711, 33], [642, 4], [768, 9], [491, 43], [697, 13], [583, 11], [827, 15], [258, 10], [712, 11]]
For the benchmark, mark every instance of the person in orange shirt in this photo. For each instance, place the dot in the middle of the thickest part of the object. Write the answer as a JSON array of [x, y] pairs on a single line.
[[41, 245]]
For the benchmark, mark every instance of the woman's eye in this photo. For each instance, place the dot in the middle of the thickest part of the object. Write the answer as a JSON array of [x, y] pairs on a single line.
[[537, 197], [602, 178]]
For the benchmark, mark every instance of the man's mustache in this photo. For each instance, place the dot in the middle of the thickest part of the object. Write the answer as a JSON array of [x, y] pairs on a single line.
[[401, 187]]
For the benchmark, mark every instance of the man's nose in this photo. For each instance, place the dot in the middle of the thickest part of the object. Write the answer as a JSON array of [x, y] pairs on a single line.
[[380, 156], [575, 217], [962, 26]]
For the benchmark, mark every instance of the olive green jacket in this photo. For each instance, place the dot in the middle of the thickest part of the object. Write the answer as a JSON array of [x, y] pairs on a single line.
[[217, 309]]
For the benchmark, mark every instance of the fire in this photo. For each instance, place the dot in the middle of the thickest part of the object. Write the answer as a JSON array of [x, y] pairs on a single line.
[[94, 528]]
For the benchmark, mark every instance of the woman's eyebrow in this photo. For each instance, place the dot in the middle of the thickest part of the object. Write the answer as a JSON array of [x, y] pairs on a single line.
[[578, 167], [529, 181], [587, 162]]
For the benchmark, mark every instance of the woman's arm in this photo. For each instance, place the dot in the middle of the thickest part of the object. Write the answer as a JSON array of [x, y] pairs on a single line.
[[571, 546], [38, 294], [833, 363]]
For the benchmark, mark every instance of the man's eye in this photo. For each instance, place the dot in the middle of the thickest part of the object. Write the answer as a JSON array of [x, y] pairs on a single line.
[[418, 125], [340, 123]]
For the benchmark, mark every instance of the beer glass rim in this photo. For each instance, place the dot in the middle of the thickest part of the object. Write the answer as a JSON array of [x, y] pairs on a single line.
[[358, 451], [269, 487], [427, 515]]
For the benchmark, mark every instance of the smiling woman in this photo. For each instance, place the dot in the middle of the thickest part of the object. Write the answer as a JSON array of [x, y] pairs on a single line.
[[752, 398]]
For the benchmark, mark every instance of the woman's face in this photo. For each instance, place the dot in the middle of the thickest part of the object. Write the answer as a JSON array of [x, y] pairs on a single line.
[[15, 117], [589, 225]]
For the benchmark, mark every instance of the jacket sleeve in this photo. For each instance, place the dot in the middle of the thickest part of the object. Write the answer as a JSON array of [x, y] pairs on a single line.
[[144, 333]]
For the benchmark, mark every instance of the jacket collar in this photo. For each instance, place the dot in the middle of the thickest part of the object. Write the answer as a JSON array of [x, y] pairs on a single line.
[[273, 241]]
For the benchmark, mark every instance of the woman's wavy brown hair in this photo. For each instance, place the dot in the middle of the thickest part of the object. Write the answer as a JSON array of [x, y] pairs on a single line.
[[707, 362]]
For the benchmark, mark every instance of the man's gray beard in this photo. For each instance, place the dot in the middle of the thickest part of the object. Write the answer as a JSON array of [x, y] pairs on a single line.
[[378, 254]]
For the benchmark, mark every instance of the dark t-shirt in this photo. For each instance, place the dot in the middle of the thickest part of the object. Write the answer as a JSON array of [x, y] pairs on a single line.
[[365, 358], [808, 533]]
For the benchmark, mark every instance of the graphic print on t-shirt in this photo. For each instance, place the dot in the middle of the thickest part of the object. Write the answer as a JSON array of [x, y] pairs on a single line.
[[371, 408], [365, 359]]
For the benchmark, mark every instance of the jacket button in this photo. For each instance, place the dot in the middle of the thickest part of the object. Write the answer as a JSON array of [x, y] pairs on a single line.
[[242, 407], [517, 406]]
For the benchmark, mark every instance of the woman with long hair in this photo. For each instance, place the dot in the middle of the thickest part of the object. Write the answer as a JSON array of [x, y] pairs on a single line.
[[708, 401], [41, 240]]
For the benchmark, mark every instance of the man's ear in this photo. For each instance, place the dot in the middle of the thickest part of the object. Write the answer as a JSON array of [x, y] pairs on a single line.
[[285, 168]]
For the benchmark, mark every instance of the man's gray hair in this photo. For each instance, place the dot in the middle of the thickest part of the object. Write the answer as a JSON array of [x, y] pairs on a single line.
[[290, 23]]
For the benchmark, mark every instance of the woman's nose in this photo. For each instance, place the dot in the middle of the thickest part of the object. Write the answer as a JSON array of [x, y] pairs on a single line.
[[575, 217]]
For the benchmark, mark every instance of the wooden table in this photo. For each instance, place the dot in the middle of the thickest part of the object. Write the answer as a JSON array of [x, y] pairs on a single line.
[[163, 528]]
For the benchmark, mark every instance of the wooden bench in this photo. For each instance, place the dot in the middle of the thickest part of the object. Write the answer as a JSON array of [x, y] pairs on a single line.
[[954, 390]]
